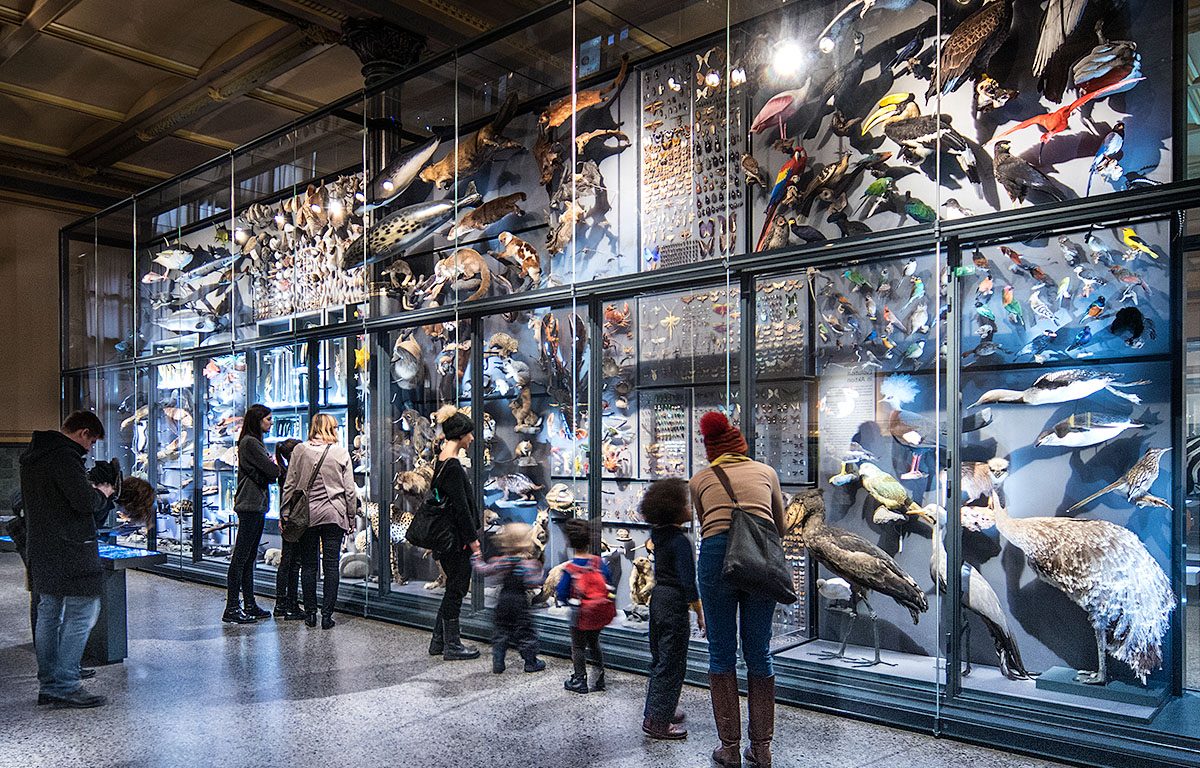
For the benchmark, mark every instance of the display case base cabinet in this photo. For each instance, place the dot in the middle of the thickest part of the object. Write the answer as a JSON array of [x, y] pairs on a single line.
[[109, 641]]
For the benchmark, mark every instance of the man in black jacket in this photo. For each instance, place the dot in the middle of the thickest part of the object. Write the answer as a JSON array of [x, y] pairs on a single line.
[[64, 562]]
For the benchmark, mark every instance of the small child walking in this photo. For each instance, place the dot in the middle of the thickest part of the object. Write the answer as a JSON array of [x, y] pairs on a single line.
[[586, 586], [666, 506], [519, 573]]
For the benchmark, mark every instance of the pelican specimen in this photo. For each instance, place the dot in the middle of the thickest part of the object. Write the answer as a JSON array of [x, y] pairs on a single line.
[[865, 566], [979, 598], [1107, 571], [919, 135], [970, 47], [1062, 386]]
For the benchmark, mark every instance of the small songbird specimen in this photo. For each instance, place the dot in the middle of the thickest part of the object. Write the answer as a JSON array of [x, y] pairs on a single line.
[[1136, 243], [754, 172], [886, 489], [1135, 483], [1019, 177], [1013, 307], [1110, 147]]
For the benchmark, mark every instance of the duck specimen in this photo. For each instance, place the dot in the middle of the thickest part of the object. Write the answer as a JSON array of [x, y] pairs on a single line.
[[1019, 177], [1135, 483], [919, 136], [1081, 430], [1062, 386], [1107, 571], [969, 49], [865, 566], [979, 598]]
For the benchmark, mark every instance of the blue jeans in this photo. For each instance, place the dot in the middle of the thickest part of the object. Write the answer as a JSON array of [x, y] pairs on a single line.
[[726, 610], [63, 626]]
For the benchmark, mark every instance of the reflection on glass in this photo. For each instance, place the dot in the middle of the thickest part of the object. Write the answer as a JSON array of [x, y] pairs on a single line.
[[224, 405], [171, 455], [1066, 470]]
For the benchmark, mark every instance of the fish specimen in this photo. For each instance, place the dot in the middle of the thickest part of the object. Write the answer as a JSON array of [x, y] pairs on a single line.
[[1063, 386], [1017, 176], [970, 47], [978, 597], [1081, 430], [1129, 324], [405, 228], [920, 136], [561, 110], [865, 566], [1135, 483], [487, 214], [151, 278], [1107, 571], [174, 258], [187, 321], [397, 176], [980, 479], [476, 151]]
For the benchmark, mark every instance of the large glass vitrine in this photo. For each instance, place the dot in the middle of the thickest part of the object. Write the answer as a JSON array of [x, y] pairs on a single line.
[[946, 299]]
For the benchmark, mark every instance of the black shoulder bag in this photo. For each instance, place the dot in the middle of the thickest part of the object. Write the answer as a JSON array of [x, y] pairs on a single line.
[[294, 517], [431, 527], [754, 559]]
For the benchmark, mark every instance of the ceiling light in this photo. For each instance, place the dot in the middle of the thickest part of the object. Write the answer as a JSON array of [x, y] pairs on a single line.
[[787, 59]]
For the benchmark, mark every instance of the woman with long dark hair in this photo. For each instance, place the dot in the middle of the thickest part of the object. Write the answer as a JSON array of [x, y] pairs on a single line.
[[256, 472], [450, 482]]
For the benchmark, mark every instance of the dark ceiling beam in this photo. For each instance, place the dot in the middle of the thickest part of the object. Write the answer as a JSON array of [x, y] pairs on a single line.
[[38, 18], [297, 14], [251, 58]]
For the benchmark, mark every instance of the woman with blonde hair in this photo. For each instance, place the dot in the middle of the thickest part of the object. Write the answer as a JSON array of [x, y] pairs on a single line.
[[322, 467]]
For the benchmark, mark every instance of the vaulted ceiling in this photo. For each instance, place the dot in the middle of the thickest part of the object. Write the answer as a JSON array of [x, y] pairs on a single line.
[[103, 98]]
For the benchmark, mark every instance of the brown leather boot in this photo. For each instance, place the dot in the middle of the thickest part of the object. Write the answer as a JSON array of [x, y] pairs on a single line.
[[760, 697], [727, 712]]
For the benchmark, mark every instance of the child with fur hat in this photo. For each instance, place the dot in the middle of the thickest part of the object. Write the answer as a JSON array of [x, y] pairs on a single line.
[[518, 574]]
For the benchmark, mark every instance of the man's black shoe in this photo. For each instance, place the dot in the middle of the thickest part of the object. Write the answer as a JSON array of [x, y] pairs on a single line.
[[78, 699], [236, 616]]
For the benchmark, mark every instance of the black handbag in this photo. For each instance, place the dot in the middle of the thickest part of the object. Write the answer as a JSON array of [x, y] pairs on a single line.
[[431, 527], [294, 516], [754, 559]]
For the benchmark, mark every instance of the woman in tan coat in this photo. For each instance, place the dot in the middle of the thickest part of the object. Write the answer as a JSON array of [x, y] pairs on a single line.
[[332, 505], [731, 480]]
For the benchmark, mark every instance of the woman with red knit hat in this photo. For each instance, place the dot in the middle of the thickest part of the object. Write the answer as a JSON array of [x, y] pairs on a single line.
[[731, 480]]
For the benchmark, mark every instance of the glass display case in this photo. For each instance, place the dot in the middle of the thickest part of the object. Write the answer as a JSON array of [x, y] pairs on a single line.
[[938, 273]]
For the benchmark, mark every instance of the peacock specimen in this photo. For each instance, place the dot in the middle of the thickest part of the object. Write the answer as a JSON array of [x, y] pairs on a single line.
[[1107, 571]]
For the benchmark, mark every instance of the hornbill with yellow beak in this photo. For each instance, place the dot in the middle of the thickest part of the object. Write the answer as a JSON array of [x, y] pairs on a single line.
[[918, 135]]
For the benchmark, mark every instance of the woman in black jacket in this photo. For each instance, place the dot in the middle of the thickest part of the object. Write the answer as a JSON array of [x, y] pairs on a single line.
[[256, 472], [450, 482]]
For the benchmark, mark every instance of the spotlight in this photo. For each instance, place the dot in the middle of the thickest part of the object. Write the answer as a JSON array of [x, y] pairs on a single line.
[[315, 208], [280, 219], [712, 79], [826, 44], [737, 76], [240, 236], [360, 197], [787, 59], [388, 186], [674, 84], [335, 207]]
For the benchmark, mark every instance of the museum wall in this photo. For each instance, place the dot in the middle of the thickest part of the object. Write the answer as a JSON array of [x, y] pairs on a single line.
[[29, 377]]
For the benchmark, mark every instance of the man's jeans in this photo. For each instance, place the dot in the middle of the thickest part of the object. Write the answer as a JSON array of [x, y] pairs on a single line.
[[63, 626]]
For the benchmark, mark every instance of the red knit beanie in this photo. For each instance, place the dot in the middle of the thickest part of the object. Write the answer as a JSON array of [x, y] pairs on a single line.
[[721, 437]]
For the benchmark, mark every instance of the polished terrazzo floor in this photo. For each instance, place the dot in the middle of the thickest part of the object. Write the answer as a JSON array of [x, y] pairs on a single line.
[[196, 692]]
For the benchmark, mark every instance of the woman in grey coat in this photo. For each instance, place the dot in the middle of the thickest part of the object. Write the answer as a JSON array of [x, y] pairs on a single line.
[[323, 468], [256, 472]]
